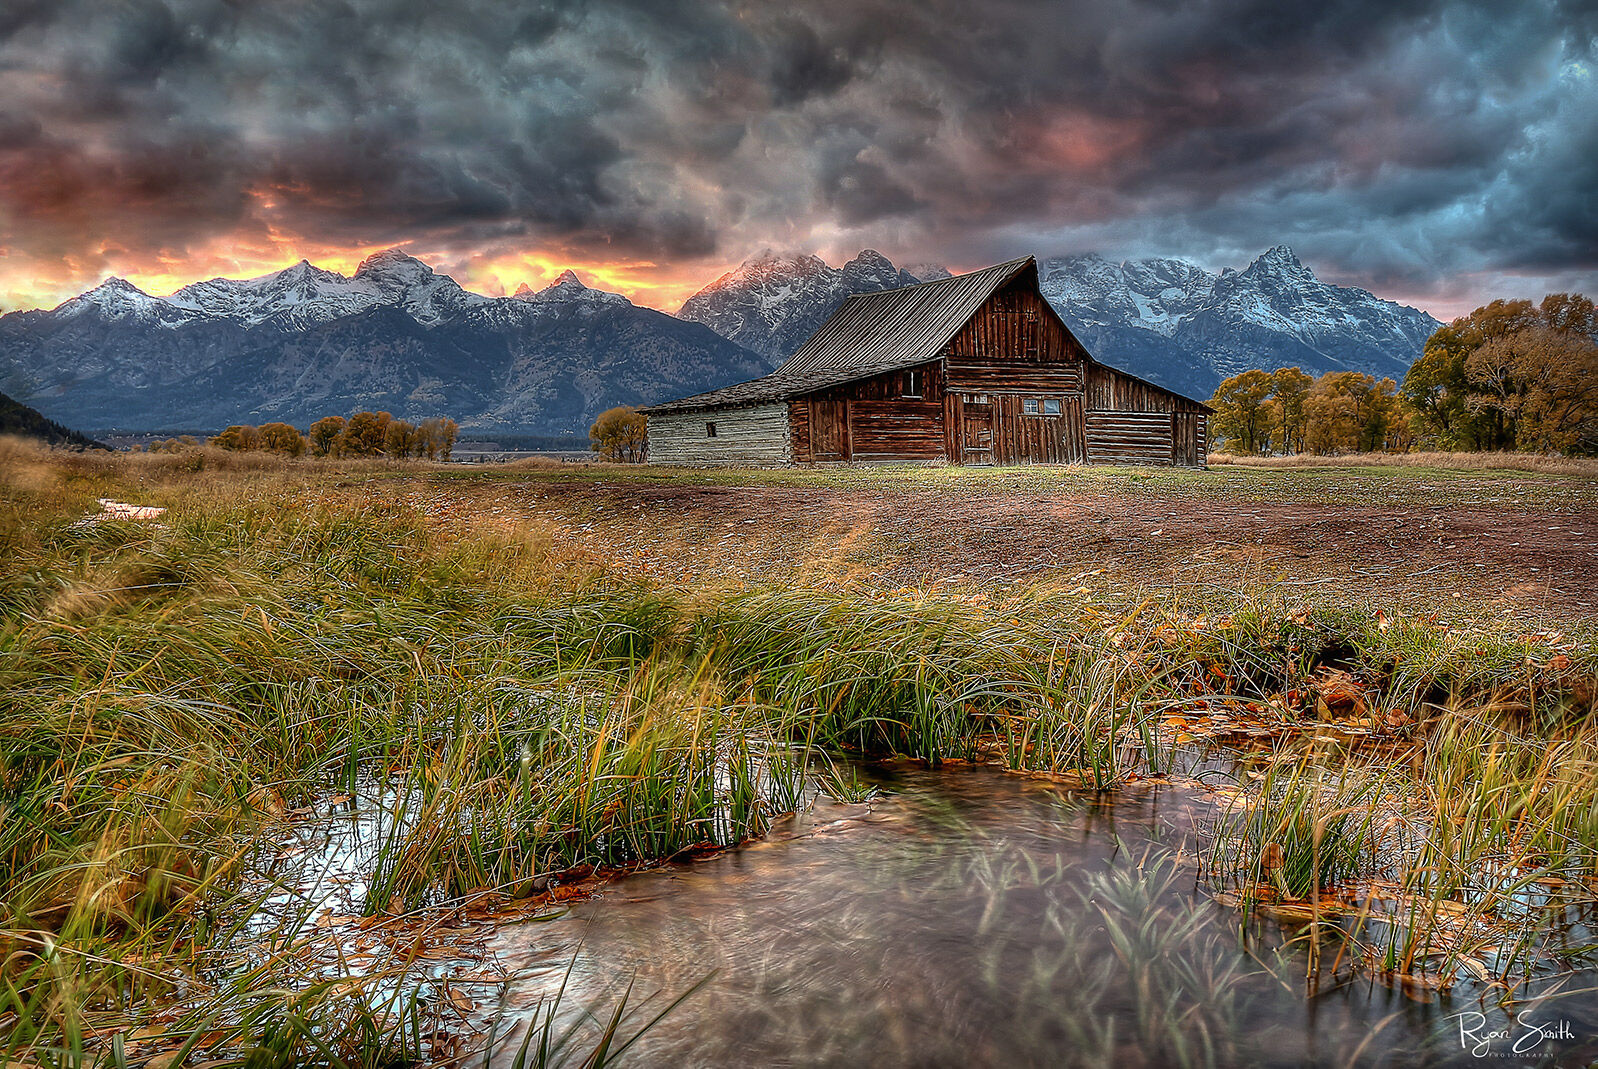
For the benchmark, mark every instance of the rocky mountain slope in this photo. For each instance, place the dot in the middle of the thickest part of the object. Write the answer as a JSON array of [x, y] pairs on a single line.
[[773, 302], [1179, 325], [18, 419], [302, 343]]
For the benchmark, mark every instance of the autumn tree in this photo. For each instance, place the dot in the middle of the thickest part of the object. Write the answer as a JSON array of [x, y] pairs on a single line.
[[365, 435], [1541, 385], [1455, 404], [325, 434], [239, 437], [1511, 375], [1289, 388], [1242, 414], [436, 438], [399, 438], [621, 434], [281, 438]]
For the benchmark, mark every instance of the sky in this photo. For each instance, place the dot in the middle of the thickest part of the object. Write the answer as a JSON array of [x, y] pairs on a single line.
[[1436, 152]]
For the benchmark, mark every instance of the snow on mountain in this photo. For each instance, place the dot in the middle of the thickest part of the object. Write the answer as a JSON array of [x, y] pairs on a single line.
[[1176, 323], [773, 301], [567, 287], [305, 342], [304, 294], [928, 272], [118, 299], [1164, 319], [1153, 295]]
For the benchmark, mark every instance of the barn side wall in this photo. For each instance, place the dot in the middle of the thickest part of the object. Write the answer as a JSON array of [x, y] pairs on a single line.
[[755, 434], [871, 420], [1130, 421]]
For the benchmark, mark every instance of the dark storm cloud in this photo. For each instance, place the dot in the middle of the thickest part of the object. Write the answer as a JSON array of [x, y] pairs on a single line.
[[1401, 142]]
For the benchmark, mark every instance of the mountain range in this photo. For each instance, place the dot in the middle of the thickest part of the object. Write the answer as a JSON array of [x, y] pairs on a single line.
[[1181, 326], [304, 342]]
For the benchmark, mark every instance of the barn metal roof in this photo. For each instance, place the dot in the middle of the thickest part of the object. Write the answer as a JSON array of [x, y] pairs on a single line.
[[870, 333]]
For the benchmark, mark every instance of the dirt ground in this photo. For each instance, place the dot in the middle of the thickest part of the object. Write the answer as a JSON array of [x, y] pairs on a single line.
[[1488, 546]]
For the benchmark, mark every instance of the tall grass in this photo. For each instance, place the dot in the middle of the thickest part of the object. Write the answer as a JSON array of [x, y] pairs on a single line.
[[172, 690]]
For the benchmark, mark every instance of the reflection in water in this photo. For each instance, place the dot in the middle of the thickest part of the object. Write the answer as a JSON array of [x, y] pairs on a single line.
[[967, 918]]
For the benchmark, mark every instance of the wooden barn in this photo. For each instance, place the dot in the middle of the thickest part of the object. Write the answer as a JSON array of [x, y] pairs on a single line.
[[975, 369]]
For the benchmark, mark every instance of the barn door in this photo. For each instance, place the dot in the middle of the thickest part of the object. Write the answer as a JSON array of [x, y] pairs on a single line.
[[829, 429], [976, 433]]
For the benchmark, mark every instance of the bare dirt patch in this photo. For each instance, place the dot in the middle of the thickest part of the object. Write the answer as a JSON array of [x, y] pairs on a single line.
[[1539, 558]]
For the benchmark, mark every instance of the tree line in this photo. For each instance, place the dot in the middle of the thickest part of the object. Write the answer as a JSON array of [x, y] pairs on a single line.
[[1510, 376], [365, 434]]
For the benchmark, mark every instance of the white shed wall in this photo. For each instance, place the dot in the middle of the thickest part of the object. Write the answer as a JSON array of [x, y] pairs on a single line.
[[757, 434]]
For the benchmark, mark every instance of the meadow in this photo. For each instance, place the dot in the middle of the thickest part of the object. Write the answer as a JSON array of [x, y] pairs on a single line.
[[536, 709]]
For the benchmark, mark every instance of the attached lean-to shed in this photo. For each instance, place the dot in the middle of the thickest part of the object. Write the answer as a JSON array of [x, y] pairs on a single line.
[[974, 369]]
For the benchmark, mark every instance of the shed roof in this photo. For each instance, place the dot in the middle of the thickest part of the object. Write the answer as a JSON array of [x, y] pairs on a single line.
[[871, 333]]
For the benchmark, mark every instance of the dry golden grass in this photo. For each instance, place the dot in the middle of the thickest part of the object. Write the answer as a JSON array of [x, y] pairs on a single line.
[[1458, 461]]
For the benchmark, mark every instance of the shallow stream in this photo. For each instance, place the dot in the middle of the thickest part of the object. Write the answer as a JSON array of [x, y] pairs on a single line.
[[967, 917]]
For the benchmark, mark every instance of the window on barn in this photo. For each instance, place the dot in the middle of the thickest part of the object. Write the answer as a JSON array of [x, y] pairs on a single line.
[[912, 384], [1029, 406], [710, 430], [1051, 406]]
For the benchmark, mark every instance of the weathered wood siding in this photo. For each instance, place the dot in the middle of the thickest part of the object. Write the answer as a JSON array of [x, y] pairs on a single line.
[[1129, 437], [871, 420], [1000, 431], [1015, 343], [1130, 421], [1109, 390], [1190, 444], [756, 434]]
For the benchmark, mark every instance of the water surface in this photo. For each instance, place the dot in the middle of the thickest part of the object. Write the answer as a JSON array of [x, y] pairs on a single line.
[[967, 917]]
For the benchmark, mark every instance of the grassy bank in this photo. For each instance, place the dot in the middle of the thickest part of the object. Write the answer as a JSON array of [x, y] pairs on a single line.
[[175, 690]]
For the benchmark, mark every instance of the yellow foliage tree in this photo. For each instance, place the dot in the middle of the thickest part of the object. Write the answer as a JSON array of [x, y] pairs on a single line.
[[620, 434], [325, 435], [282, 438], [239, 437], [365, 435], [436, 438]]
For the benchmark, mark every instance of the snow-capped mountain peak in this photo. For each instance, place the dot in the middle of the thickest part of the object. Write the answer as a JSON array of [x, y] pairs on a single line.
[[773, 301], [871, 270], [397, 336], [303, 293], [1153, 295], [392, 263], [928, 272], [568, 287], [1280, 262], [117, 298]]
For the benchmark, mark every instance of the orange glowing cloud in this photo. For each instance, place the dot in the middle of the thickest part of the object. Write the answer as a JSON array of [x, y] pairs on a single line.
[[1071, 141], [26, 283]]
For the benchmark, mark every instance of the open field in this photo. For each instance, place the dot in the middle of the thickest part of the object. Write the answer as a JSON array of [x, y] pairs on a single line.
[[1488, 539], [529, 680]]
